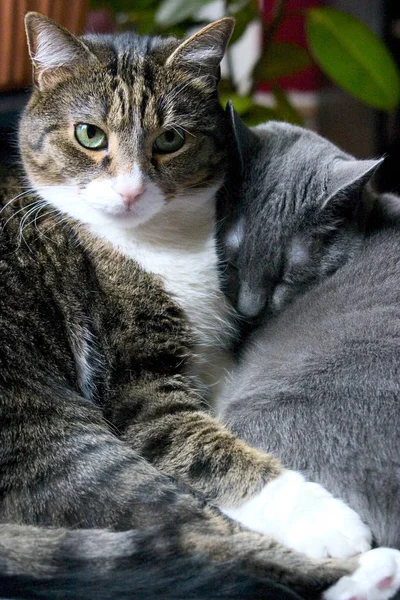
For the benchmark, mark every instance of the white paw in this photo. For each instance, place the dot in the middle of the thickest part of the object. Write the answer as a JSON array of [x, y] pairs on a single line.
[[305, 517], [377, 578]]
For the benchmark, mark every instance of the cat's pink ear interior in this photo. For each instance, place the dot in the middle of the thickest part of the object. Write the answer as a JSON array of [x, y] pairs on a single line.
[[52, 49], [206, 48]]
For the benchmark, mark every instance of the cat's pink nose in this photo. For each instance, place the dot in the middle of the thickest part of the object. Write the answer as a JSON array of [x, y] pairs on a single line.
[[130, 193]]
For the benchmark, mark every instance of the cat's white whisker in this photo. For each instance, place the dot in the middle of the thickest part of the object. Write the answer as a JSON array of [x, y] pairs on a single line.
[[38, 216], [28, 206], [23, 224], [24, 193], [59, 222], [177, 126]]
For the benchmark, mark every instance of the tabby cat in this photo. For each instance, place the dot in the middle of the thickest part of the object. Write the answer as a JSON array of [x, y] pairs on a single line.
[[314, 244], [109, 292]]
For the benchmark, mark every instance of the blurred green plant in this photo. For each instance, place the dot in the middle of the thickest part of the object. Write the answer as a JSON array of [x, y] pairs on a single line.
[[345, 49]]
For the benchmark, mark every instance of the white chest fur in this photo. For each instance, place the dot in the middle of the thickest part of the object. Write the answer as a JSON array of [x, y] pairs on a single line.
[[178, 245]]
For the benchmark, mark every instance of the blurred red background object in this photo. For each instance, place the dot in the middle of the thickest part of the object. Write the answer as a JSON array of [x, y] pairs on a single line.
[[292, 30], [15, 66]]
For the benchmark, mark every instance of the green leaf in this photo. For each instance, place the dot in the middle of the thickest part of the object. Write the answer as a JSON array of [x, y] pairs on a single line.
[[122, 5], [171, 12], [180, 30], [142, 21], [285, 109], [136, 4], [242, 104], [248, 12], [226, 87], [353, 57], [281, 59], [251, 113], [259, 114]]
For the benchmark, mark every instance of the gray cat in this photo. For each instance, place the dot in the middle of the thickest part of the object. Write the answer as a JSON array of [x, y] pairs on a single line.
[[313, 259]]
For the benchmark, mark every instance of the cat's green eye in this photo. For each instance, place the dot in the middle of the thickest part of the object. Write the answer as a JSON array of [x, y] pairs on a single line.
[[90, 136], [169, 141]]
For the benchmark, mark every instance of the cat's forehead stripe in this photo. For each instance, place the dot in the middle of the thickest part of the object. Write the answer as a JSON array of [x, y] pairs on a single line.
[[37, 146]]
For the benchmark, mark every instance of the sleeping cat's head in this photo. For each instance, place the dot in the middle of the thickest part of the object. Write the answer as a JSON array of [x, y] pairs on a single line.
[[120, 126], [297, 213]]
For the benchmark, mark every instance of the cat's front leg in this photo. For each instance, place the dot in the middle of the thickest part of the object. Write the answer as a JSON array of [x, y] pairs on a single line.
[[304, 516], [161, 419]]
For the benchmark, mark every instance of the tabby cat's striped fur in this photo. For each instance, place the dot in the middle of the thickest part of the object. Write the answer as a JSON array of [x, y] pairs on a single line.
[[94, 350]]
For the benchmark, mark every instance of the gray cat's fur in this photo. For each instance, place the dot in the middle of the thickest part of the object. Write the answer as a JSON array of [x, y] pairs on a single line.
[[314, 254]]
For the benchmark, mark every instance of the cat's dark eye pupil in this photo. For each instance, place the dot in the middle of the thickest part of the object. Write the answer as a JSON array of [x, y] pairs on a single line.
[[91, 131], [168, 142], [90, 136]]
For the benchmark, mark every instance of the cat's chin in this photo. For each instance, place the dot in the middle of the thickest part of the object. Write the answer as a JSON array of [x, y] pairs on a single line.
[[123, 220]]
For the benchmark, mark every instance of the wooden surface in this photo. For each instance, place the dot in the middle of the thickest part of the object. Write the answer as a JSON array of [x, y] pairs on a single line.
[[15, 65]]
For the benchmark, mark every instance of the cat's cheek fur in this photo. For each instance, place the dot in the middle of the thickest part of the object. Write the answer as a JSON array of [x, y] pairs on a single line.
[[99, 204], [305, 517]]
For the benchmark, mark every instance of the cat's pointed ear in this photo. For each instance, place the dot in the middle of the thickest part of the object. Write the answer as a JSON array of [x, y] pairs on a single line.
[[52, 49], [204, 50], [244, 138], [346, 173]]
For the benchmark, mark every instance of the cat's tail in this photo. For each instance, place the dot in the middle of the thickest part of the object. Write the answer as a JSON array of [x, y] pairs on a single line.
[[55, 564]]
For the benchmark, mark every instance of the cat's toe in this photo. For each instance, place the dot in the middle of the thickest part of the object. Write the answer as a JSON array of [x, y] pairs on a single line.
[[327, 527], [305, 517], [376, 578]]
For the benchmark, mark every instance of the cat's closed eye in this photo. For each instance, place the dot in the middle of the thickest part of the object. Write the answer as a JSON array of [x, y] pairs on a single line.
[[281, 296]]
